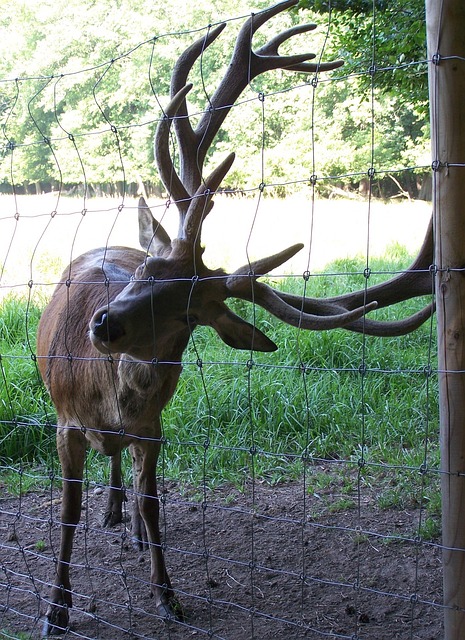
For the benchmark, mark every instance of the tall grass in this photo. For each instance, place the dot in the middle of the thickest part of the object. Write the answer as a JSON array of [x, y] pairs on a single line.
[[25, 408], [322, 396]]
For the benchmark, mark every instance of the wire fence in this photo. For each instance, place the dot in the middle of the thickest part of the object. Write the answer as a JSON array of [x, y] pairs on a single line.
[[298, 490]]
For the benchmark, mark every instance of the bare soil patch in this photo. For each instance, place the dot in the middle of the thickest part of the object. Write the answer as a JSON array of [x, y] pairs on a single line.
[[269, 562]]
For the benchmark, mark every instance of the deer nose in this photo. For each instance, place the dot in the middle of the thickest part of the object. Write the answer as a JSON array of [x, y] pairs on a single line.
[[106, 328]]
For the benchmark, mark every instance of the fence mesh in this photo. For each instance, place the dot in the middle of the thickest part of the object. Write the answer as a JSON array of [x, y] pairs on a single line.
[[296, 500]]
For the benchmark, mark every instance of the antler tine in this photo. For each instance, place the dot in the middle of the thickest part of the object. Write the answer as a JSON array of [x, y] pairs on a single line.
[[265, 265], [370, 327], [296, 62], [187, 59], [392, 328], [168, 173], [271, 300], [272, 46], [202, 204], [191, 164]]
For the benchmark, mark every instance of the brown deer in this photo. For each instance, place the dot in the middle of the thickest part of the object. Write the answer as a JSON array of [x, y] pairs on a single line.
[[111, 340]]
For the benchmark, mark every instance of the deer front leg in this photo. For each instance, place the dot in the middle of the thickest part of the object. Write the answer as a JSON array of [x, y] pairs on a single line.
[[116, 496], [145, 456], [139, 532], [71, 450]]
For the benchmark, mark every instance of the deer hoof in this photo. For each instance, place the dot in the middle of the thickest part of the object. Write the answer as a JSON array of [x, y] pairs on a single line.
[[170, 611], [114, 512], [112, 518], [138, 544], [56, 621]]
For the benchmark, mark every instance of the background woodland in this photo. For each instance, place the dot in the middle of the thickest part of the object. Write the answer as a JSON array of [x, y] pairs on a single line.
[[82, 87]]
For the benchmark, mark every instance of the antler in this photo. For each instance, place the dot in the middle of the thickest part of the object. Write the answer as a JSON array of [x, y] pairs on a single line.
[[417, 280], [193, 193], [245, 65]]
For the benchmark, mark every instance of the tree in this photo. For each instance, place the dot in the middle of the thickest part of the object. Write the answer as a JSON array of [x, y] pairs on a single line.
[[389, 34], [383, 45], [88, 93]]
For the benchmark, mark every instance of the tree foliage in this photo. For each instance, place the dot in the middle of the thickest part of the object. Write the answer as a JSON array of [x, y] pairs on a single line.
[[82, 83], [385, 36]]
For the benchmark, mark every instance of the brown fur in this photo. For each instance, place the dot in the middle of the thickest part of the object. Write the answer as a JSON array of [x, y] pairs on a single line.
[[104, 400]]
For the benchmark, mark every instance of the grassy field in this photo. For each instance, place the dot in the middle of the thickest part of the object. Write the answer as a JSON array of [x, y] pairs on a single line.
[[367, 403], [40, 234], [307, 401]]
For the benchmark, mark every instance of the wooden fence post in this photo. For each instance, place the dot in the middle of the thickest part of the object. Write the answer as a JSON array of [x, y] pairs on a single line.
[[446, 50]]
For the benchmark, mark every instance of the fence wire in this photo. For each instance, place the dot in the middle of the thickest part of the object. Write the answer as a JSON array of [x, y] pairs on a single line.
[[268, 529]]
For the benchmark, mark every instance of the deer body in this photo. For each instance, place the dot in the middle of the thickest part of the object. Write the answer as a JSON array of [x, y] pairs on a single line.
[[110, 342], [110, 378], [109, 403]]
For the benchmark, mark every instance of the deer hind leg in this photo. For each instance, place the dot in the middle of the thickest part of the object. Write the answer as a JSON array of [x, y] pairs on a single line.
[[116, 496], [145, 456], [71, 450]]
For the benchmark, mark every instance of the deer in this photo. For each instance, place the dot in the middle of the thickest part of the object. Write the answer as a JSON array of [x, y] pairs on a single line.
[[110, 341]]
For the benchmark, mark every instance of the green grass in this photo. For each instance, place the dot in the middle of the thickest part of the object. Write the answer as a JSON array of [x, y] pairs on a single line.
[[24, 404], [368, 401], [332, 411], [13, 635]]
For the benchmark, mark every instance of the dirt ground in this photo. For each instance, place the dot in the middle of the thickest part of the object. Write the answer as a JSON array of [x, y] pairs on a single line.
[[269, 562]]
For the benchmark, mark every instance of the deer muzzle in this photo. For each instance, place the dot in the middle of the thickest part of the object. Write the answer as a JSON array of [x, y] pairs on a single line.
[[105, 330]]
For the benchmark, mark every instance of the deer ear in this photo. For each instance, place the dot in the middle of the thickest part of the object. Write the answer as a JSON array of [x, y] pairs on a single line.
[[152, 237], [238, 333]]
